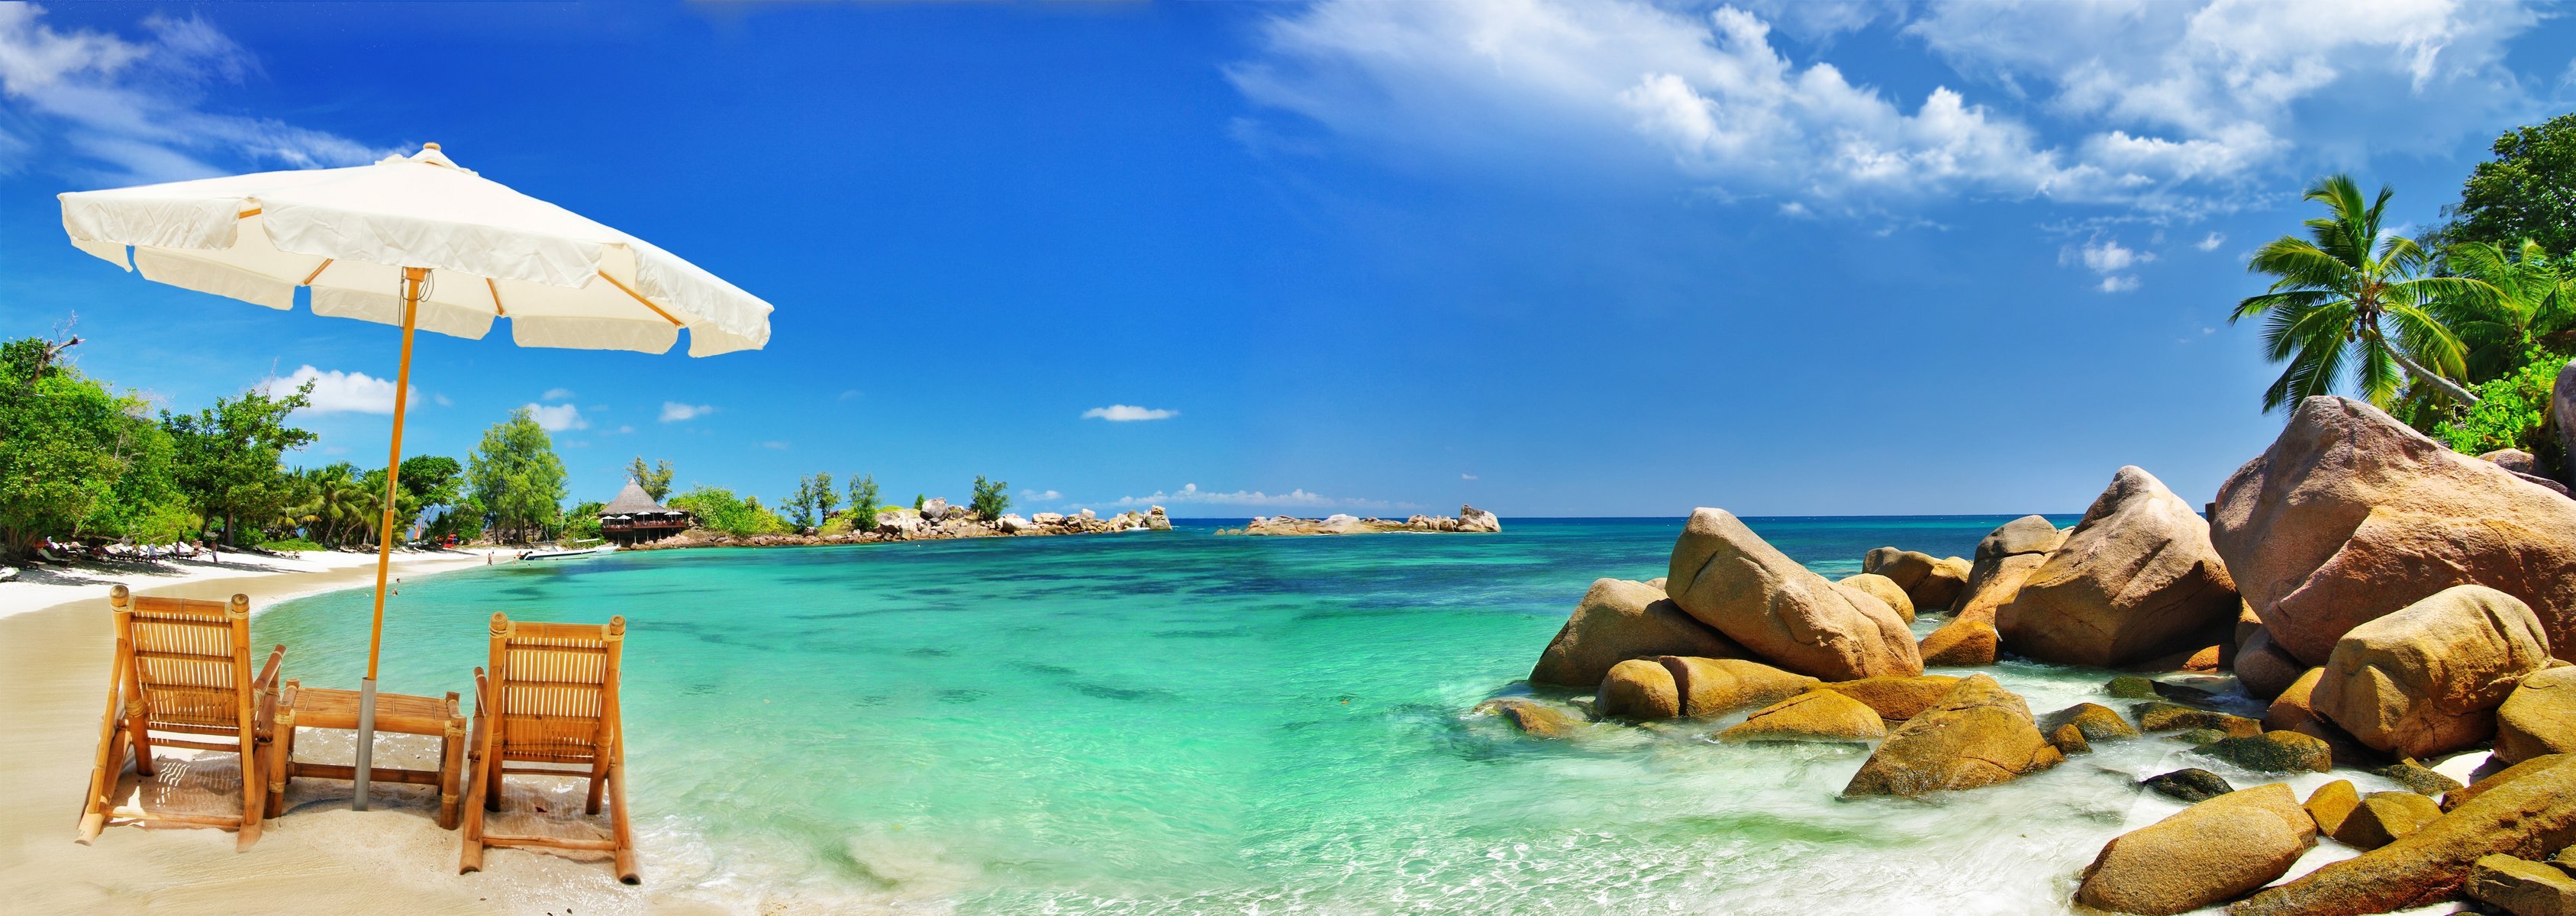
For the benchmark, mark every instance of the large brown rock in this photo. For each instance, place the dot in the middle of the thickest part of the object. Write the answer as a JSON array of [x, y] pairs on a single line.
[[2539, 717], [2521, 887], [1536, 719], [2529, 817], [1930, 583], [1979, 734], [1942, 588], [2426, 679], [2291, 708], [1638, 689], [2385, 817], [1821, 715], [1727, 577], [2210, 852], [2265, 669], [1896, 698], [2135, 580], [2094, 720], [1883, 589], [1619, 620], [1963, 642], [1716, 686], [2006, 557], [2350, 516]]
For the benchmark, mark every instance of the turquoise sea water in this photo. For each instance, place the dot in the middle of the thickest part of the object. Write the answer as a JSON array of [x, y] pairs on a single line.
[[1179, 722]]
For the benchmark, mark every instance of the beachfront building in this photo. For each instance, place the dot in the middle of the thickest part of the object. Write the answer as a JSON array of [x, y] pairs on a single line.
[[634, 517]]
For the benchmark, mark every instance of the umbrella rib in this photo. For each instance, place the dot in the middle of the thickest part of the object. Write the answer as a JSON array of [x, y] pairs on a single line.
[[317, 271], [639, 297], [496, 297], [246, 214]]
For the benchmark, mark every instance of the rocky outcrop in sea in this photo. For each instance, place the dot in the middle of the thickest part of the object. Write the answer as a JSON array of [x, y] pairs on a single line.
[[2390, 600], [935, 520], [1469, 520]]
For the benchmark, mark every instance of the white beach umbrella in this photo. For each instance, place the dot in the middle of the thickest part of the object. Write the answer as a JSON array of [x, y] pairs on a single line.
[[422, 243]]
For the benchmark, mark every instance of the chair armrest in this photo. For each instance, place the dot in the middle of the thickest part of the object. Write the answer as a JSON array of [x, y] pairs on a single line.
[[268, 672]]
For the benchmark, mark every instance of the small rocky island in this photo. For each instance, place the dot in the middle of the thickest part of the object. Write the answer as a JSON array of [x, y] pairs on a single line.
[[935, 520], [1470, 520], [2380, 599]]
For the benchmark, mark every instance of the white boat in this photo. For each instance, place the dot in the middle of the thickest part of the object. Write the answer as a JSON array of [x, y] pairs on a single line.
[[561, 552]]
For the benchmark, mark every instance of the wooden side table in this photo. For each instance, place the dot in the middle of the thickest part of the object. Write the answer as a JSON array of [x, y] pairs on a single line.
[[323, 707]]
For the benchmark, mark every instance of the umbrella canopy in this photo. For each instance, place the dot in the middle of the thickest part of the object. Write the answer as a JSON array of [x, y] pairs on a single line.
[[420, 242], [561, 279]]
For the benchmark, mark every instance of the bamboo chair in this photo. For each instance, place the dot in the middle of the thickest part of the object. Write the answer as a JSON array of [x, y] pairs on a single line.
[[183, 668], [551, 698]]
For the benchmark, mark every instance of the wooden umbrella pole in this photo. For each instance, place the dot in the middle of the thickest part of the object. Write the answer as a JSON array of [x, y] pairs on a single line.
[[385, 545]]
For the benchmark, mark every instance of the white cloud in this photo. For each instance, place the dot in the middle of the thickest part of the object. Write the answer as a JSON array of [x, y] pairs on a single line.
[[111, 109], [1036, 496], [2109, 256], [852, 393], [336, 391], [774, 444], [2164, 106], [1121, 413], [555, 418], [1467, 477], [2211, 243], [2118, 284], [622, 429], [1293, 499], [556, 394], [674, 411], [441, 400]]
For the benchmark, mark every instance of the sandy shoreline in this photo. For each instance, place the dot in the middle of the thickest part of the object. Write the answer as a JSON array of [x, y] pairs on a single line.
[[319, 858]]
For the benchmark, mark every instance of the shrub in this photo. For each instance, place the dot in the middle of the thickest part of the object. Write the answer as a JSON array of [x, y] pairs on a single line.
[[293, 543], [992, 498], [2512, 412], [718, 509]]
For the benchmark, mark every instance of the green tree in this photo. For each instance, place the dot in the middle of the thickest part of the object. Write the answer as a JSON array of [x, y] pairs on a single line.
[[583, 523], [426, 481], [229, 457], [2513, 411], [718, 509], [992, 498], [335, 505], [75, 459], [2349, 301], [655, 479], [863, 501], [2521, 298], [2528, 191], [517, 478], [813, 500]]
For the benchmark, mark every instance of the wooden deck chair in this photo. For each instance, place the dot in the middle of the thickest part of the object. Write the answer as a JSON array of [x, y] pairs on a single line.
[[550, 698], [183, 668]]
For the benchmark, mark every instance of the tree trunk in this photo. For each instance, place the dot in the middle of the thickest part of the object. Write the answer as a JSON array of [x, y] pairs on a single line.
[[2446, 386]]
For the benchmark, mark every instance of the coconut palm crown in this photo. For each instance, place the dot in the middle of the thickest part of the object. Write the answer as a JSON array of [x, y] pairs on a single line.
[[2350, 301]]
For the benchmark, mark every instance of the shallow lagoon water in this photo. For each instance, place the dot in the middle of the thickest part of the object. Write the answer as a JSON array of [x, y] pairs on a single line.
[[1185, 723]]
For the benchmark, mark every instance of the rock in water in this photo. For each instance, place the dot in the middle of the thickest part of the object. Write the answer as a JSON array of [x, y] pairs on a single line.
[[1978, 734], [2096, 721], [2427, 678], [2191, 785], [2331, 803], [1638, 689], [2136, 580], [2290, 710], [2213, 851], [2528, 816], [1948, 579], [2416, 777], [1727, 577], [1821, 715], [2539, 717], [1964, 642], [1536, 719], [2521, 887], [2160, 716], [1883, 589], [1930, 583], [2265, 669], [1716, 686], [2006, 557], [1471, 518], [2350, 516], [1619, 620], [2273, 752], [1158, 520], [1896, 698], [2385, 817]]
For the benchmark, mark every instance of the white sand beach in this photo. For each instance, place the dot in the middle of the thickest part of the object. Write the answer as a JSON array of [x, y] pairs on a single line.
[[319, 858]]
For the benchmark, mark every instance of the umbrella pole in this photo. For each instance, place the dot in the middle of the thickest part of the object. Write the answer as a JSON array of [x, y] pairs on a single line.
[[365, 768]]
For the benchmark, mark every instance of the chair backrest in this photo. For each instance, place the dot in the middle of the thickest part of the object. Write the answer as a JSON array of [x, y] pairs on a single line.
[[191, 660], [554, 689]]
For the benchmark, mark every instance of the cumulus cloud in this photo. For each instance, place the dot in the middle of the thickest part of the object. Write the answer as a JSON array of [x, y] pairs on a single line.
[[1467, 476], [1294, 499], [129, 109], [555, 418], [556, 394], [2162, 106], [1122, 413], [2106, 256], [2118, 284], [2211, 243], [674, 411], [1038, 496], [335, 391]]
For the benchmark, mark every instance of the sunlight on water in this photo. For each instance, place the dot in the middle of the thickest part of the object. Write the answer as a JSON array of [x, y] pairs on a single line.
[[1181, 723]]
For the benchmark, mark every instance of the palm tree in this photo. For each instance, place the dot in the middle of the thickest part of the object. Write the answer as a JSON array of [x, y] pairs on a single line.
[[2350, 300], [2521, 299]]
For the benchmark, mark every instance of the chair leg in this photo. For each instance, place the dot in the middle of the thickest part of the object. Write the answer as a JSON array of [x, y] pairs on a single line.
[[103, 782], [624, 831], [598, 787], [451, 769], [492, 787], [283, 766], [254, 795], [139, 732], [470, 859]]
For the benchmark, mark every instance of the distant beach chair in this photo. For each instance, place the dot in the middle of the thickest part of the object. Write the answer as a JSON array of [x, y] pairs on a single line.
[[551, 698], [183, 668], [46, 554]]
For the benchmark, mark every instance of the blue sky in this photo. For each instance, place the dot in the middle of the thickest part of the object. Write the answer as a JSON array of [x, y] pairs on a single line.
[[1546, 257]]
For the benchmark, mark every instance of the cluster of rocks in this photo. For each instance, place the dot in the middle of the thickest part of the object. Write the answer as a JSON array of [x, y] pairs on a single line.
[[935, 520], [2390, 599], [1469, 520]]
